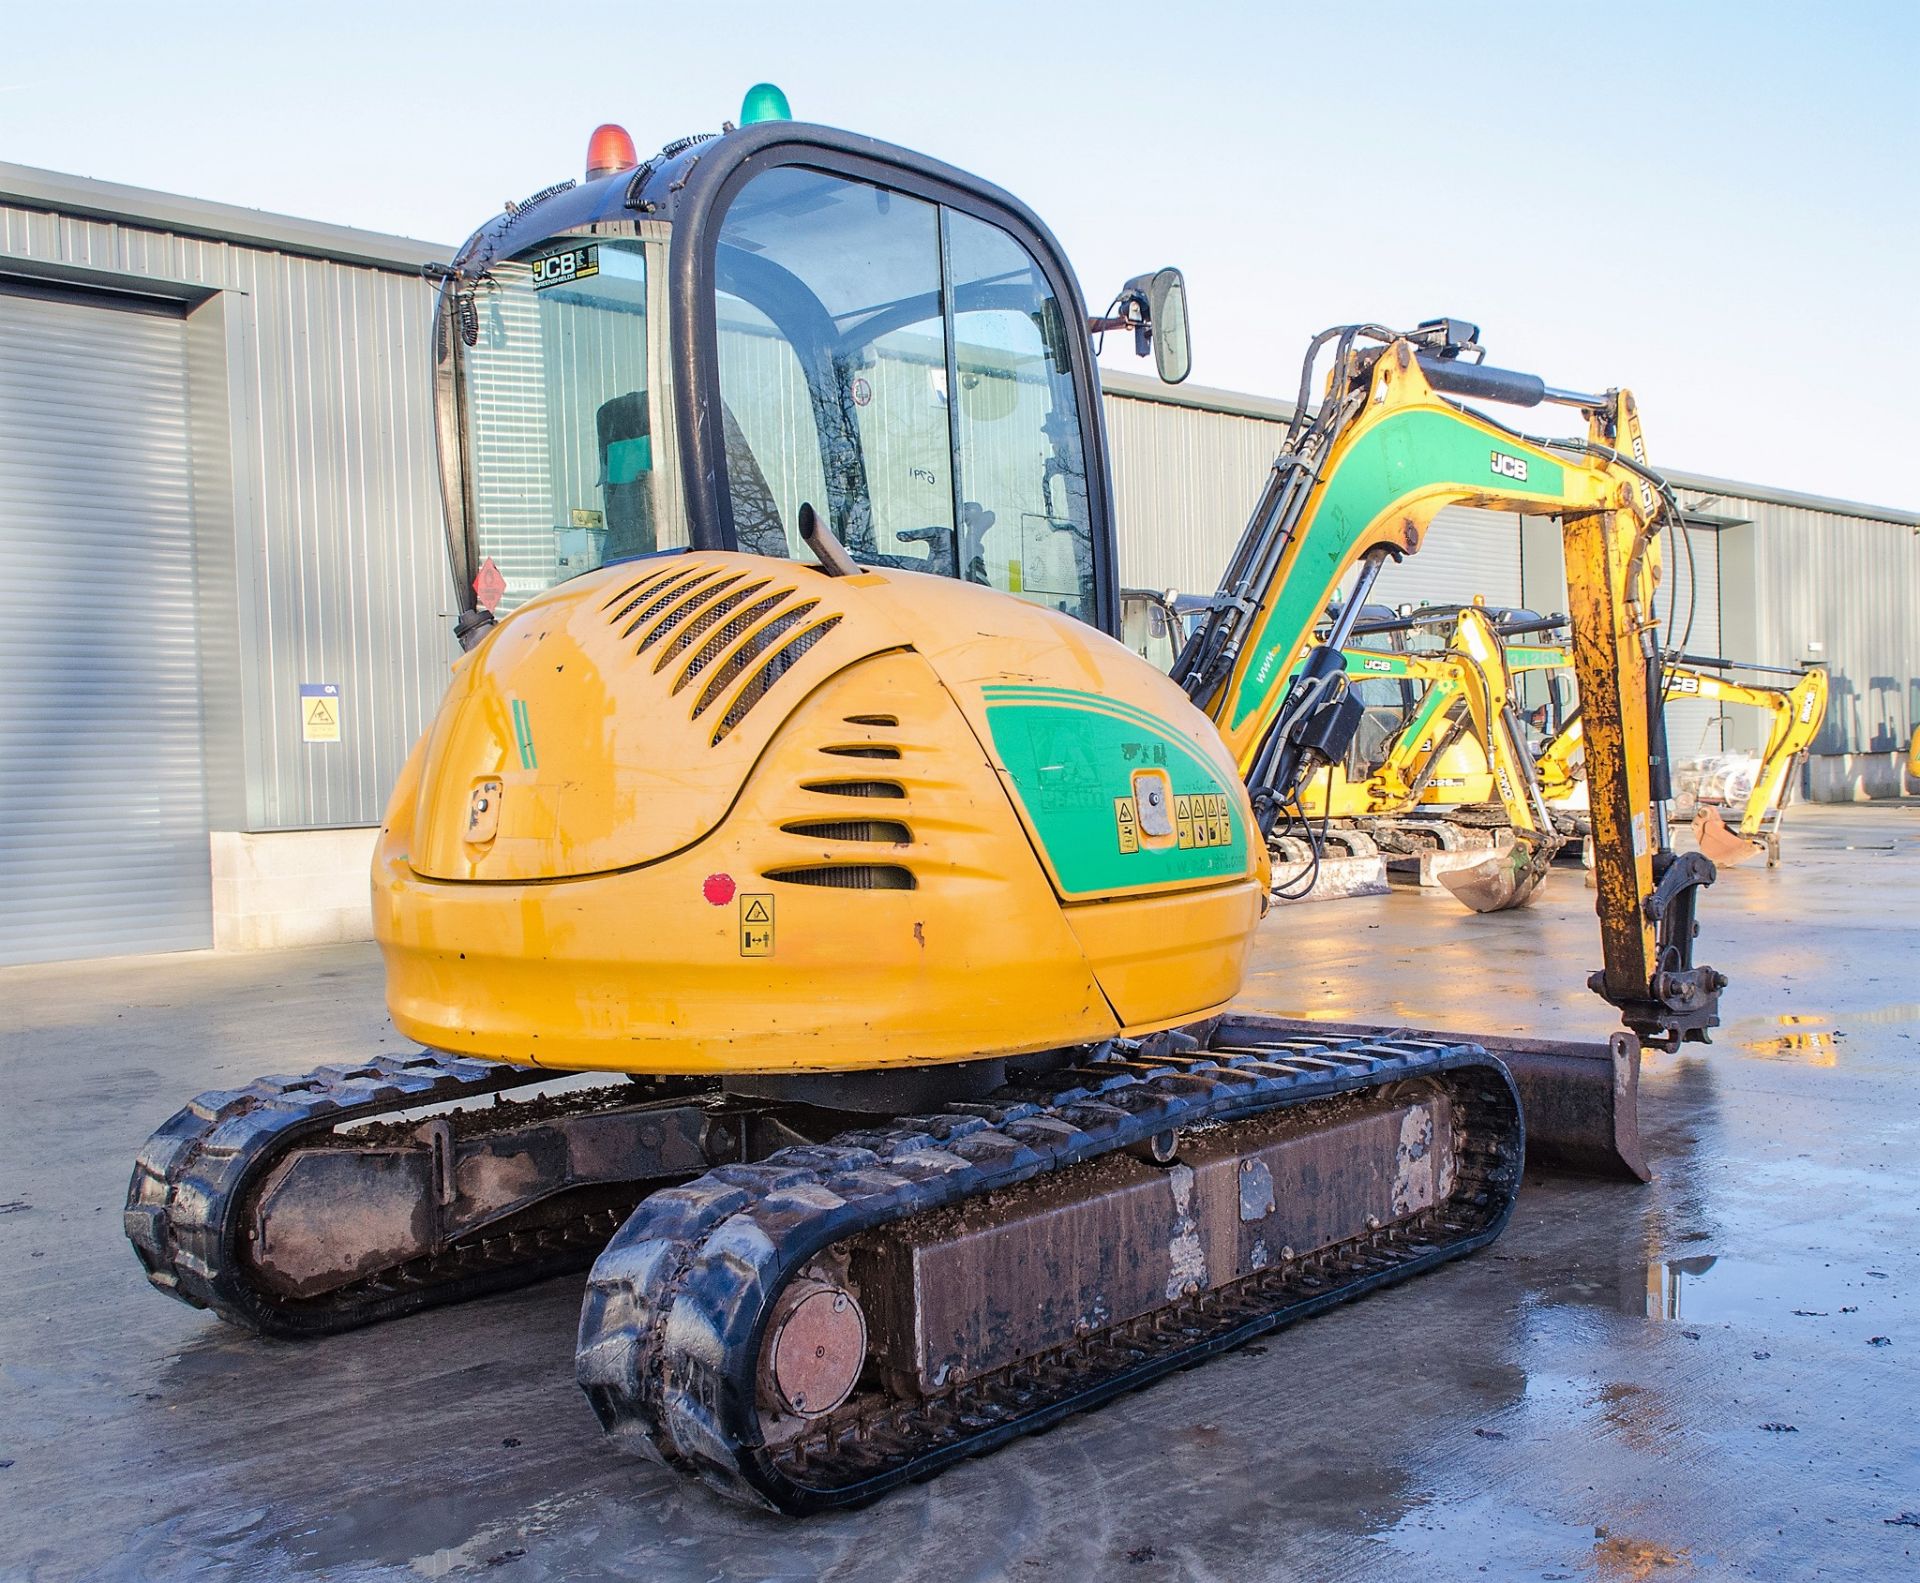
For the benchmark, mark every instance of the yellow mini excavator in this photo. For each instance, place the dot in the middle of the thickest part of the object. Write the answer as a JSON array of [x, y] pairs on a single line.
[[1795, 713], [794, 781], [1450, 767], [1439, 766]]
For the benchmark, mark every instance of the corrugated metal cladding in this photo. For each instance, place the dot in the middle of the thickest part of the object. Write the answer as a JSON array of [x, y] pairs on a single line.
[[334, 542], [102, 771], [1848, 584], [1185, 479], [317, 537]]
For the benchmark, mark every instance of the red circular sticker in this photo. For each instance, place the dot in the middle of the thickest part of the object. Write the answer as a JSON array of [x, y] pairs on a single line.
[[862, 392], [718, 889]]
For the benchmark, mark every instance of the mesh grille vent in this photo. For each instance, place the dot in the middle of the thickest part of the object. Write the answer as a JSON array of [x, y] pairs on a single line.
[[871, 720], [728, 635], [663, 594], [685, 608], [689, 634], [771, 672], [882, 830], [849, 876], [631, 588], [747, 653], [873, 750], [636, 590], [856, 788]]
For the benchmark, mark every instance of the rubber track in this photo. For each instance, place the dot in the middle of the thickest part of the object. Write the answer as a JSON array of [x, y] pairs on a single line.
[[187, 1202], [677, 1305]]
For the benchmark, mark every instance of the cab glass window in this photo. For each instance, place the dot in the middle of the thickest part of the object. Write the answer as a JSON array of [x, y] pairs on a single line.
[[560, 410], [832, 364], [1024, 520], [902, 369]]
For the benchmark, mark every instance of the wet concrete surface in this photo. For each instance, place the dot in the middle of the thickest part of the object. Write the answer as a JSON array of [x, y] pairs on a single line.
[[1713, 1376]]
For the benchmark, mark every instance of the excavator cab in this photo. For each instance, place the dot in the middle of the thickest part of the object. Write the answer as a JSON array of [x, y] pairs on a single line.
[[781, 326]]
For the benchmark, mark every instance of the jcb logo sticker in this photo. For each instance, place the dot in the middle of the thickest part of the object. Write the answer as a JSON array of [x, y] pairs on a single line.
[[1505, 466], [1806, 709], [1686, 684], [557, 268], [1377, 665]]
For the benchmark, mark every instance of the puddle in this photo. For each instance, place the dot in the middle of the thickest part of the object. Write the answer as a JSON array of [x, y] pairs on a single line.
[[1448, 1535], [1711, 1289], [1813, 1039]]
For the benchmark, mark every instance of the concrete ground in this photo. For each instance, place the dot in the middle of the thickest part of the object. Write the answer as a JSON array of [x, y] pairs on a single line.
[[1714, 1376]]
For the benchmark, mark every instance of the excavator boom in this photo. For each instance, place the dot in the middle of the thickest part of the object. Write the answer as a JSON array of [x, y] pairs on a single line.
[[1461, 741], [1359, 482]]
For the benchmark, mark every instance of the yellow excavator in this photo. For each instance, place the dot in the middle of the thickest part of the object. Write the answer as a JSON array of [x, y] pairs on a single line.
[[1439, 765], [794, 781], [1795, 712], [1452, 744]]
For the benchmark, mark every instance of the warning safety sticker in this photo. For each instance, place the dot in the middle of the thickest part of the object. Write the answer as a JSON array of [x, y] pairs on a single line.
[[319, 711], [756, 924]]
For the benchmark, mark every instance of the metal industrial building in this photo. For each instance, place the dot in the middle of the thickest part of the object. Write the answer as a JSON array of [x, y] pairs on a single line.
[[219, 524]]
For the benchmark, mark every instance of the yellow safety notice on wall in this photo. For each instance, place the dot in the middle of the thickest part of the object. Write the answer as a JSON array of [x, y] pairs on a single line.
[[319, 712]]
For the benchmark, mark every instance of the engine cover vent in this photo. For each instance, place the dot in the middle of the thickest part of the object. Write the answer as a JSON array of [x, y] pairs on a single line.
[[855, 788], [848, 876], [890, 831], [770, 672]]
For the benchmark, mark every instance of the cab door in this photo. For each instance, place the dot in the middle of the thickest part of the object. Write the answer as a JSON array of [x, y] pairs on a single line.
[[893, 354]]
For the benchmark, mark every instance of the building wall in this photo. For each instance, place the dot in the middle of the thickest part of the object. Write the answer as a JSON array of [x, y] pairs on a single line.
[[320, 542], [1801, 584], [316, 502]]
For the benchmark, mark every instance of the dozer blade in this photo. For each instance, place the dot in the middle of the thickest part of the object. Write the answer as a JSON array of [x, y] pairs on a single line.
[[1507, 877], [1719, 845], [1581, 1100], [815, 1329]]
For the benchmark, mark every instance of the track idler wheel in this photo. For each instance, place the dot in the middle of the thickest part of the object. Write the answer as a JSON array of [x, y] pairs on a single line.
[[815, 1348]]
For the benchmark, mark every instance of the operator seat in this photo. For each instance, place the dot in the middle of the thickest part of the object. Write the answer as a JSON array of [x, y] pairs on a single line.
[[621, 427]]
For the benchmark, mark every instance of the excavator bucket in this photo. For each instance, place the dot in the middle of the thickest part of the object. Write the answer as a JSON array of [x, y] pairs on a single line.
[[1579, 1100], [1507, 877], [1719, 845]]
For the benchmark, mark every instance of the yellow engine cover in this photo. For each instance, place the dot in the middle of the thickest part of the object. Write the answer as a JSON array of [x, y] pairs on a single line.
[[717, 813], [1461, 778]]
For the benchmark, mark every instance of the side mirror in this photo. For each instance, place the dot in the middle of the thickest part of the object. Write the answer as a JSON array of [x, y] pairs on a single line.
[[1154, 307], [1167, 317]]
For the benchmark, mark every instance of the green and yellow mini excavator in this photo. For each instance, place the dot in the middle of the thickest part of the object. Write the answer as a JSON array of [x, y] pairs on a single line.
[[793, 781]]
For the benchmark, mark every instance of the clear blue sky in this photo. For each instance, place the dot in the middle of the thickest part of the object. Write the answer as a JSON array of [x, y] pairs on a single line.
[[1717, 204]]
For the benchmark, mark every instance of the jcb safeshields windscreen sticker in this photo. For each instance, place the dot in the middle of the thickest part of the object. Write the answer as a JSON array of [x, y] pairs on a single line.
[[556, 269]]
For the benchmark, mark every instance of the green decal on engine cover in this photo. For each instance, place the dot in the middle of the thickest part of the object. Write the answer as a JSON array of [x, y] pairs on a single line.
[[1072, 756], [1402, 456]]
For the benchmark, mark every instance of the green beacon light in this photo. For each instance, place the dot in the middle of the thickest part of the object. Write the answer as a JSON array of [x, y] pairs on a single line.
[[764, 102]]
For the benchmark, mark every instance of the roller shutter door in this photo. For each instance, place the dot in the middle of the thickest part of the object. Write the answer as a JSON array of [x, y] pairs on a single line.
[[103, 820], [1466, 552]]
